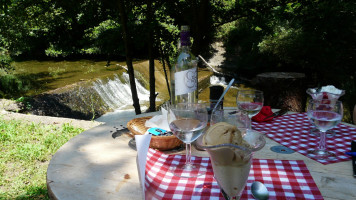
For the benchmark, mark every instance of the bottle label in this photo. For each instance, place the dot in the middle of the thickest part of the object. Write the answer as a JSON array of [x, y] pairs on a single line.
[[186, 81]]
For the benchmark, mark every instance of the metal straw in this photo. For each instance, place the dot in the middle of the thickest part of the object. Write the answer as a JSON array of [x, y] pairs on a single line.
[[223, 94]]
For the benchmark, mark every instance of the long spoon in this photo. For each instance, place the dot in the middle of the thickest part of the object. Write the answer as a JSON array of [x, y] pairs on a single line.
[[223, 94]]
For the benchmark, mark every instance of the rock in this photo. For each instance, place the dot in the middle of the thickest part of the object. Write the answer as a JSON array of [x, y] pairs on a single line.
[[10, 105], [78, 101]]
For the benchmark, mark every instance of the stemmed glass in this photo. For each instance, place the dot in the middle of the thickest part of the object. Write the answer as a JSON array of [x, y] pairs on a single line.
[[187, 122], [327, 97], [232, 163], [250, 101], [325, 116]]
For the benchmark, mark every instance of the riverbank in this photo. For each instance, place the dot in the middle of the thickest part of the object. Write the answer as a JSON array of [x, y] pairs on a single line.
[[47, 120], [9, 108]]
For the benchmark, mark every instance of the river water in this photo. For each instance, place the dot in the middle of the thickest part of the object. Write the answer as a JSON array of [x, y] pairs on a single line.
[[57, 74], [110, 82]]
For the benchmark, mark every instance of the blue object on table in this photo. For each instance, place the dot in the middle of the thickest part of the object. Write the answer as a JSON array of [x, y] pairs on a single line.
[[351, 153], [156, 131], [282, 149]]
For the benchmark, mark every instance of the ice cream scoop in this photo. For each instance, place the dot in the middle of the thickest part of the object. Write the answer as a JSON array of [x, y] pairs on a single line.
[[224, 133]]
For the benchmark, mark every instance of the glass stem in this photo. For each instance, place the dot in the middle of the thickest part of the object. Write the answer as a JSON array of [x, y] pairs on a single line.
[[249, 123], [322, 141], [226, 197], [188, 153]]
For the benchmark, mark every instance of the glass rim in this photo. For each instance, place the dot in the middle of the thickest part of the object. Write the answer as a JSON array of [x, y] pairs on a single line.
[[227, 108], [254, 90], [225, 145], [310, 92], [188, 103], [320, 101], [249, 150]]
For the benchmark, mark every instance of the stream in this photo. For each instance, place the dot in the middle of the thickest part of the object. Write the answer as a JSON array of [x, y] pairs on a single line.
[[97, 90]]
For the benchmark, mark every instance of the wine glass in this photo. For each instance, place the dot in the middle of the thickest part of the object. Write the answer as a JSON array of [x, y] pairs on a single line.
[[324, 116], [250, 101], [187, 122]]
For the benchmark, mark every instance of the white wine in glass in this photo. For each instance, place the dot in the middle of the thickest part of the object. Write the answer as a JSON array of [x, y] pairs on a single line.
[[187, 123], [250, 101]]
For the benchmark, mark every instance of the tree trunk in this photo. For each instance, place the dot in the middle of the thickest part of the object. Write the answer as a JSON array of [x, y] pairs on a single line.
[[201, 27], [164, 69], [285, 90], [128, 51], [152, 107]]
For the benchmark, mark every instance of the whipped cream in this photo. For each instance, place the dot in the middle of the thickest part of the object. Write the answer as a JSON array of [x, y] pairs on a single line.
[[330, 89]]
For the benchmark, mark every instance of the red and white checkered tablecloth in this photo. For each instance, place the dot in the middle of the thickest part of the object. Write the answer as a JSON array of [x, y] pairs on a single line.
[[285, 179], [292, 131]]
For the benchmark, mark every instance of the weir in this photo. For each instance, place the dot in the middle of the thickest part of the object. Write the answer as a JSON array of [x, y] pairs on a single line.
[[90, 97], [116, 91]]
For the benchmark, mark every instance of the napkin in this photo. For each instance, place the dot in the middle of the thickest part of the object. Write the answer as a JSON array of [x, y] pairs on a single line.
[[160, 121], [261, 116], [142, 145]]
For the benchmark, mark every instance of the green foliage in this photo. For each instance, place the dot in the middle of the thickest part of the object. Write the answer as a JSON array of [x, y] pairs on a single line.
[[26, 101], [106, 38], [313, 37], [26, 151], [5, 59], [11, 85]]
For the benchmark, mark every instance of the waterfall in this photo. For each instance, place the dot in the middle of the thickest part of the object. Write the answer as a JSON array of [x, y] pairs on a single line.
[[117, 94], [219, 80], [215, 80]]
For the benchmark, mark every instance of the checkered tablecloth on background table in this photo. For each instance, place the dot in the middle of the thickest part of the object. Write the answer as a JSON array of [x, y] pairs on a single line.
[[285, 179], [292, 131]]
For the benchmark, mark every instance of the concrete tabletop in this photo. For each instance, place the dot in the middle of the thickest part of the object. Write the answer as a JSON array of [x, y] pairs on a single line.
[[94, 165]]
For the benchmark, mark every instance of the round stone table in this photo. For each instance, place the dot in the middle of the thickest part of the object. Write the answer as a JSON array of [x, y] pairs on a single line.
[[95, 165]]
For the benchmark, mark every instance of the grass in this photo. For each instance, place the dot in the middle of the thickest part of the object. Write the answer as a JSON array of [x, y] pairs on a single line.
[[26, 149]]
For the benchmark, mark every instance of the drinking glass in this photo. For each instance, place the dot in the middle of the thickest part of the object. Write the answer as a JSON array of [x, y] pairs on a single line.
[[231, 115], [324, 116], [232, 163], [327, 97], [250, 101], [187, 122]]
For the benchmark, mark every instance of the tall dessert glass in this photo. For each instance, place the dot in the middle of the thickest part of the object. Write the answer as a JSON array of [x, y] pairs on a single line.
[[324, 117], [231, 161], [187, 122], [250, 101], [328, 94]]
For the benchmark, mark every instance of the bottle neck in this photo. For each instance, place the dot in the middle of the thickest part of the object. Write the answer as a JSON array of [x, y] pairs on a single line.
[[185, 38]]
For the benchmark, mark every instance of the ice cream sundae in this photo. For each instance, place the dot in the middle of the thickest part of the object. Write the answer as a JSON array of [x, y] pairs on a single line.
[[231, 156]]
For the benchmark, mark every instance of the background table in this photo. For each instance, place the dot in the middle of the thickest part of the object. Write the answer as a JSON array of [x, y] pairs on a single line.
[[94, 165]]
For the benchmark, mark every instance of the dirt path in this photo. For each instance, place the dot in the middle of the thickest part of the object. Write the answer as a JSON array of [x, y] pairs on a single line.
[[218, 58]]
